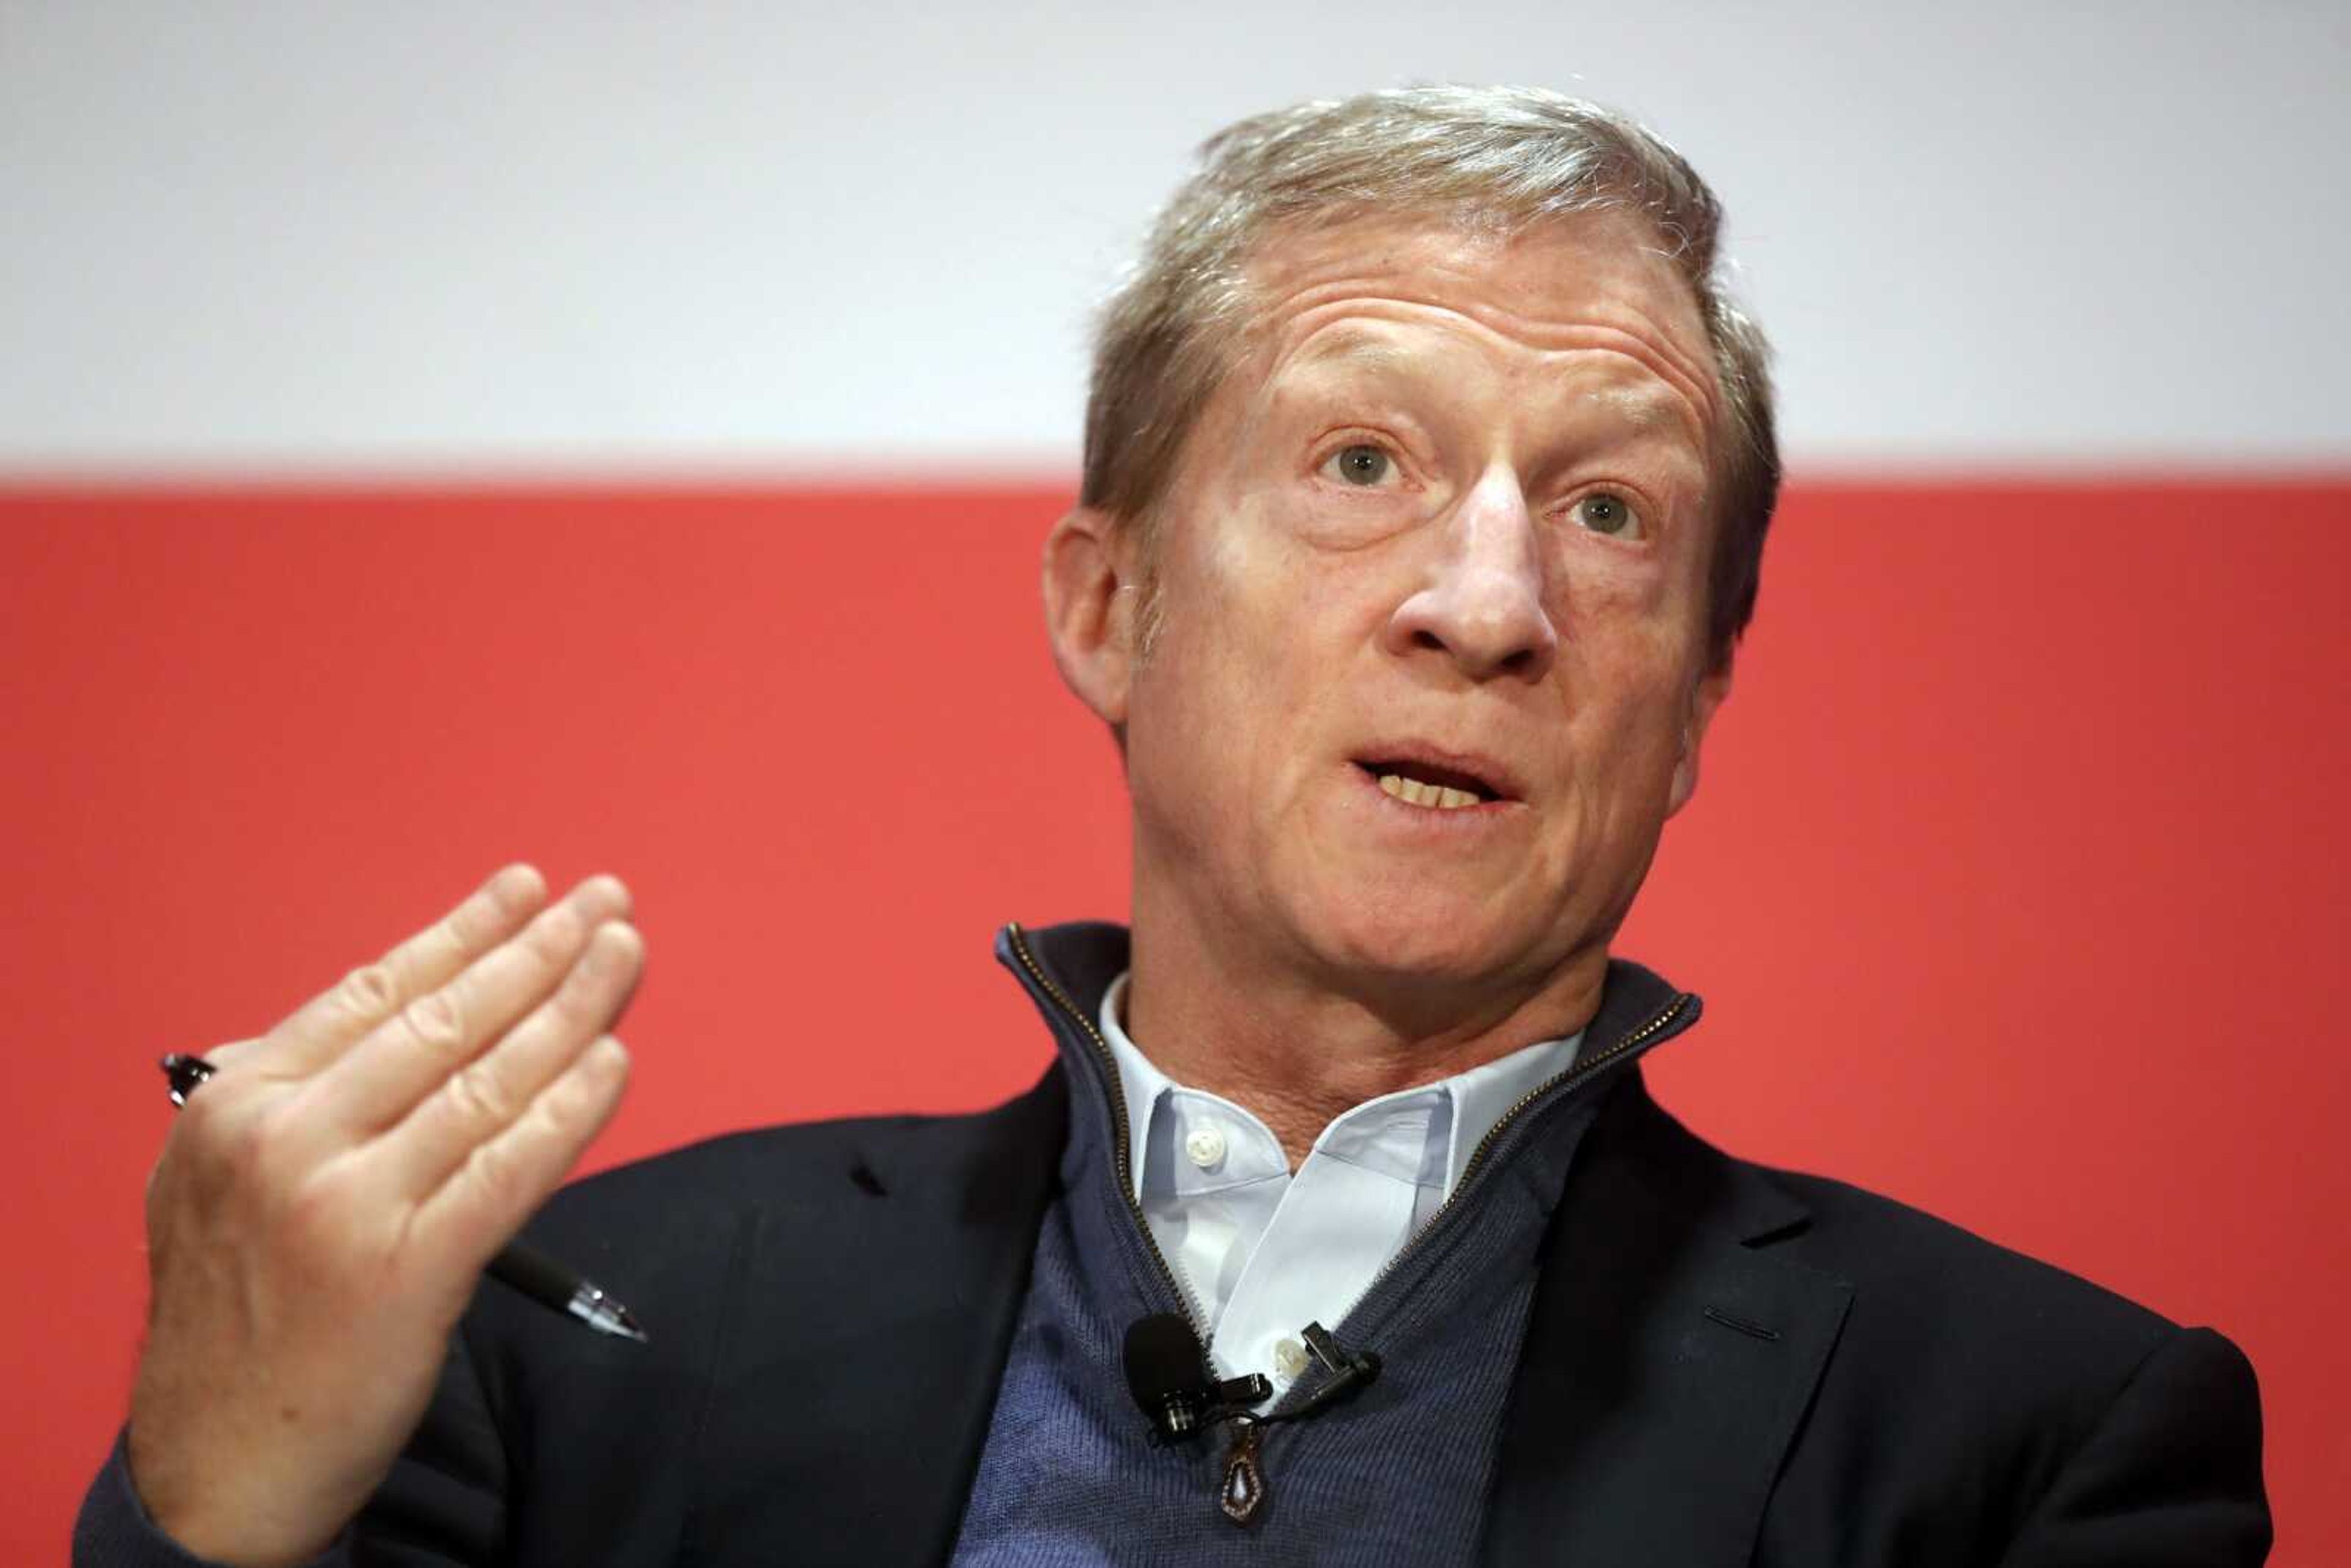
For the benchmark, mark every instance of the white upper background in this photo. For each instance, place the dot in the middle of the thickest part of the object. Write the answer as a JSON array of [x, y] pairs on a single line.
[[529, 238]]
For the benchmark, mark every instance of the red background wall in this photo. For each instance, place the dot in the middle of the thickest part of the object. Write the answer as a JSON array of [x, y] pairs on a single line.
[[2015, 884]]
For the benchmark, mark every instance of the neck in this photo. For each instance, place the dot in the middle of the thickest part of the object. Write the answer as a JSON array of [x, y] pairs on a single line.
[[1299, 1048]]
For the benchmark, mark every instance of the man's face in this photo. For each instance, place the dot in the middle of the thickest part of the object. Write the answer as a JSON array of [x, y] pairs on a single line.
[[1443, 529]]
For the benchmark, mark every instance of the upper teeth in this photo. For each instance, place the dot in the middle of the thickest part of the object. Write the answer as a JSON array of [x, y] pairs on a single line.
[[1421, 794]]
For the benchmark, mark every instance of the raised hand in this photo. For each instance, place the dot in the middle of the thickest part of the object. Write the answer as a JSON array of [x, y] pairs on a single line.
[[326, 1202]]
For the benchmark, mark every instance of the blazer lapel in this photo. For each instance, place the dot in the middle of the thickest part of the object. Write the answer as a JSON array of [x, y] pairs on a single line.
[[1668, 1356], [850, 1403]]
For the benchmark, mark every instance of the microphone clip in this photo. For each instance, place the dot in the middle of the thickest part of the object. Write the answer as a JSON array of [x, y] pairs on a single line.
[[1351, 1371], [1167, 1372]]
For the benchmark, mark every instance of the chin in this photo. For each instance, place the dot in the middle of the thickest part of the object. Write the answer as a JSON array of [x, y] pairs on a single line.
[[1428, 933]]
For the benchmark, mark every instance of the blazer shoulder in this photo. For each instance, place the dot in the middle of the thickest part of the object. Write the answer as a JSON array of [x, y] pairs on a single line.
[[1924, 1288], [2035, 1392], [1882, 1244], [1955, 1336]]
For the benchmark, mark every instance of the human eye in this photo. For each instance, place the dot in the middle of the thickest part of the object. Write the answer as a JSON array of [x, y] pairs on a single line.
[[1360, 464], [1606, 512]]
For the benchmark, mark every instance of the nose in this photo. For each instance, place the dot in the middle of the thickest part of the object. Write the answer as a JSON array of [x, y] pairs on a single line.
[[1481, 601]]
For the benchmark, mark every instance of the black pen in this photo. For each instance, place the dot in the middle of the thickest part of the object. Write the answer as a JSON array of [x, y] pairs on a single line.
[[525, 1267]]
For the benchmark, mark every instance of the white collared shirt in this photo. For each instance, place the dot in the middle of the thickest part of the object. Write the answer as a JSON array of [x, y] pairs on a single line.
[[1262, 1253]]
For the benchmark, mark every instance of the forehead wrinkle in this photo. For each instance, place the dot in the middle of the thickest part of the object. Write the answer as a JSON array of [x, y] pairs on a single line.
[[1604, 268], [1343, 341]]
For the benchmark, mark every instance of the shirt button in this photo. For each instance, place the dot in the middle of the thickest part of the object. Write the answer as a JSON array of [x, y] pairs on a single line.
[[1288, 1357], [1205, 1145]]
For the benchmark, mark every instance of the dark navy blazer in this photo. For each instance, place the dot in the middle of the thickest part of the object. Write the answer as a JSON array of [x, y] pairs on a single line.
[[1725, 1365]]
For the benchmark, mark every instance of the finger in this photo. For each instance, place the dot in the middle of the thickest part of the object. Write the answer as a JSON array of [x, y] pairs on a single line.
[[504, 1181], [411, 1054], [489, 1093], [326, 1025], [222, 1056]]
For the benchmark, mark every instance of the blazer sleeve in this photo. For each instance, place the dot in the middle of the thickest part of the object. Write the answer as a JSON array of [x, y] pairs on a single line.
[[2171, 1474], [443, 1506]]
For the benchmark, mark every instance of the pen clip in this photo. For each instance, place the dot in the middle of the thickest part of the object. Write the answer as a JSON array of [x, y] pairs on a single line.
[[183, 1073]]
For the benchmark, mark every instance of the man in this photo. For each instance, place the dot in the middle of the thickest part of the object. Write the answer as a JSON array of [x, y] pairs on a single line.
[[1427, 473]]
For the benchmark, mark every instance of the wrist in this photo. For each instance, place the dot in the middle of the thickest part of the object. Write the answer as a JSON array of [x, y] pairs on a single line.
[[207, 1521]]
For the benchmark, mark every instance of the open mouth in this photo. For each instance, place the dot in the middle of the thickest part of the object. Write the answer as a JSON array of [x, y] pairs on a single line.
[[1428, 784]]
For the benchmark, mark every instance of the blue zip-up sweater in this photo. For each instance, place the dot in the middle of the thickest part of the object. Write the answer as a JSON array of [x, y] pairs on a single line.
[[1398, 1474]]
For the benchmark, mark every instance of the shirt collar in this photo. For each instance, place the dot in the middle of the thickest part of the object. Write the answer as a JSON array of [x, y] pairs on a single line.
[[1138, 1080], [1479, 1097]]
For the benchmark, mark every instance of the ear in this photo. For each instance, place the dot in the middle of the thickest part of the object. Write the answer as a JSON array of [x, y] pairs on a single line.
[[1089, 605], [1705, 697]]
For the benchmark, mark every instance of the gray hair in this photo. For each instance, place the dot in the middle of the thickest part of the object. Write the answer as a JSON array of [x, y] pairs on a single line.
[[1502, 157]]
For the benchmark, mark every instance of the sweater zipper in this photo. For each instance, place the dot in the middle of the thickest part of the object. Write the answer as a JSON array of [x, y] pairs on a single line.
[[1242, 1490], [1584, 1068], [1122, 1158]]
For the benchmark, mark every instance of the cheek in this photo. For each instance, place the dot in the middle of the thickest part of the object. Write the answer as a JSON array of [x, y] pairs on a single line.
[[1252, 662], [1201, 700], [1256, 595], [1626, 668]]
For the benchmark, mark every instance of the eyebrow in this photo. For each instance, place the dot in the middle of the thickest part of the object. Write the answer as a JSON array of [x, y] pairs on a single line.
[[1648, 409]]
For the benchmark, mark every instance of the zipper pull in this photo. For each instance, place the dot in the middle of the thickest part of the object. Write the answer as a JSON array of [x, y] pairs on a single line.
[[1244, 1487]]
